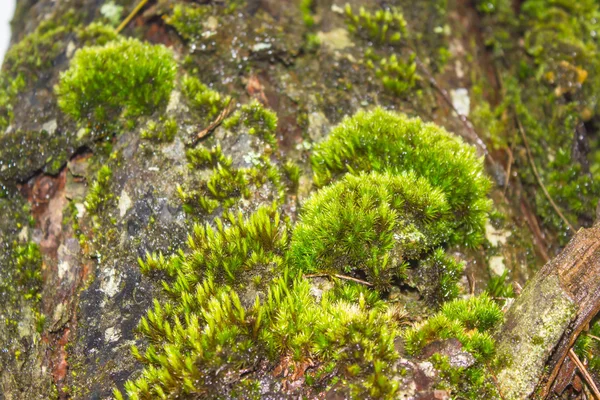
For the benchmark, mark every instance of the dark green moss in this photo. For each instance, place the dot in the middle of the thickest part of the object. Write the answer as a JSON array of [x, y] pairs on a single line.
[[122, 76], [550, 85]]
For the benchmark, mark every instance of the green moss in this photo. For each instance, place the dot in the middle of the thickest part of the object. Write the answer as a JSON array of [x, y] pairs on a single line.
[[205, 332], [96, 34], [207, 101], [471, 383], [440, 274], [37, 50], [306, 9], [468, 320], [188, 19], [162, 131], [259, 121], [124, 76], [551, 85], [292, 173], [382, 27], [397, 76], [384, 141], [99, 192], [587, 347], [28, 270], [9, 89], [370, 224], [232, 252]]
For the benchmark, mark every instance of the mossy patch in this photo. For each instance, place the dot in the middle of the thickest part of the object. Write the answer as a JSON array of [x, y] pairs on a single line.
[[380, 140], [371, 224], [124, 76]]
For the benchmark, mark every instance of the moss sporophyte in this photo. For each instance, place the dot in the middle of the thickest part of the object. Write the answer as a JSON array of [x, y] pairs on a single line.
[[394, 193]]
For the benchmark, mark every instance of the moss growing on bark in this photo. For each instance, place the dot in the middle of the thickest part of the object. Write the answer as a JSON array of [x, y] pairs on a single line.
[[99, 194], [382, 26], [469, 321], [370, 224], [123, 76], [203, 99], [384, 141], [259, 121]]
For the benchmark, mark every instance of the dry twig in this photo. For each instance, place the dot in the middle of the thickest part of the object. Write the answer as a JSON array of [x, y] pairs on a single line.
[[213, 125], [132, 14], [586, 375], [348, 278]]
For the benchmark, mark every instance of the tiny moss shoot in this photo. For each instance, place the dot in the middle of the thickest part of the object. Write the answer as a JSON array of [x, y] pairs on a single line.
[[203, 99], [259, 121], [123, 76], [382, 27], [99, 193]]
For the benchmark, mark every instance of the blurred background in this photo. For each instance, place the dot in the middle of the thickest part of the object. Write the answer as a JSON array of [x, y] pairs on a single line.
[[7, 9]]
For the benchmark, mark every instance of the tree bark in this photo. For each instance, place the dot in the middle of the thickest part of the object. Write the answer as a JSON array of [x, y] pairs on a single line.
[[93, 294]]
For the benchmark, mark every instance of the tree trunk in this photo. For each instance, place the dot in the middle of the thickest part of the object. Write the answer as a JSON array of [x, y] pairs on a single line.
[[67, 333]]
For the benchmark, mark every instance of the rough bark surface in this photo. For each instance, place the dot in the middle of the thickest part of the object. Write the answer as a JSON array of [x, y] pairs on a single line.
[[93, 293]]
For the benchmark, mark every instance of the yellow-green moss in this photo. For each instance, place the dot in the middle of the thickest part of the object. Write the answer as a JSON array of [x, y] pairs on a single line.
[[123, 76]]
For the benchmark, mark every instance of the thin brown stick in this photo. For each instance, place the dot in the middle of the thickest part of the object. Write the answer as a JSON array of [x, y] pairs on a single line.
[[537, 175], [594, 337], [348, 278], [132, 14], [213, 125], [509, 163], [585, 373]]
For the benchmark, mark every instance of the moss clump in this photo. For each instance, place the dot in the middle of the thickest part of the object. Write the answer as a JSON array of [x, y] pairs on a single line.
[[206, 331], [225, 185], [37, 50], [550, 85], [28, 270], [472, 383], [385, 28], [385, 141], [162, 131], [382, 27], [468, 320], [99, 193], [188, 19], [9, 89], [122, 76], [203, 99], [371, 224], [233, 252], [259, 121], [397, 76], [96, 34]]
